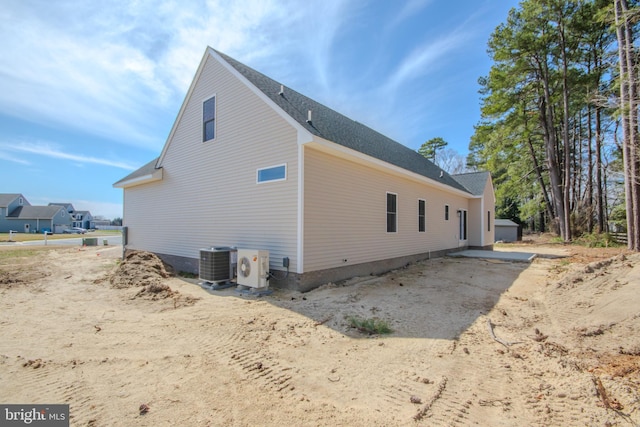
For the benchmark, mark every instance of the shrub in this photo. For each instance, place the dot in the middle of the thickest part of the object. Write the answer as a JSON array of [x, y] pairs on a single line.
[[595, 240], [370, 326]]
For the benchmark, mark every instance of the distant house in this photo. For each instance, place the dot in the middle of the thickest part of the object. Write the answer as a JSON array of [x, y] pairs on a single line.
[[17, 214], [81, 219], [251, 163], [67, 206]]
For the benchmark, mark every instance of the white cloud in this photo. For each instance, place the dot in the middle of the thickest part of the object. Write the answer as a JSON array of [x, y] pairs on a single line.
[[52, 151], [111, 71], [10, 158], [411, 7], [426, 58]]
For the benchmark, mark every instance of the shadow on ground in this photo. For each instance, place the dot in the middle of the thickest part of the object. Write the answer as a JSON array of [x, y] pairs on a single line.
[[436, 299]]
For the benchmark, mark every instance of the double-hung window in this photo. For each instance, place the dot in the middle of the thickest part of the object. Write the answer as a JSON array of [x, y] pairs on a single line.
[[392, 213], [209, 119], [422, 215]]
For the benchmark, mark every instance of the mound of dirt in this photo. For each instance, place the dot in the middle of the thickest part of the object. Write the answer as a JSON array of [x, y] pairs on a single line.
[[148, 272], [9, 279], [158, 292], [140, 268]]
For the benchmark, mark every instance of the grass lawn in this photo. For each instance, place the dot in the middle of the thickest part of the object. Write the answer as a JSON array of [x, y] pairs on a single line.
[[27, 237]]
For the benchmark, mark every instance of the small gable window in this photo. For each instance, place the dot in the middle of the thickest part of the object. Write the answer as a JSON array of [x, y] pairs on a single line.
[[446, 212], [209, 119], [273, 173]]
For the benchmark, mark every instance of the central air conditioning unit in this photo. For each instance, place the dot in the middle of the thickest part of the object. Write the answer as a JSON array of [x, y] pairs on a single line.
[[253, 268], [217, 264]]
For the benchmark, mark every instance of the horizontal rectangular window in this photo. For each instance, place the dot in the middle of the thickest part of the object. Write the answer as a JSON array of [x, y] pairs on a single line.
[[273, 173]]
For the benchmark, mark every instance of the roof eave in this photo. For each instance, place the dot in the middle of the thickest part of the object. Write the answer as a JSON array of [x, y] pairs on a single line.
[[156, 175]]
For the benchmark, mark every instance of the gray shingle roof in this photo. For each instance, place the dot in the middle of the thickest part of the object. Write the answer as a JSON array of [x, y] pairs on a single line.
[[333, 126], [35, 212], [505, 223], [474, 182], [6, 198]]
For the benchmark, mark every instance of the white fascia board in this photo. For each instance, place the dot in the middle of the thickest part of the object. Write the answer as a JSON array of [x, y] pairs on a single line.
[[353, 155], [144, 179], [303, 134]]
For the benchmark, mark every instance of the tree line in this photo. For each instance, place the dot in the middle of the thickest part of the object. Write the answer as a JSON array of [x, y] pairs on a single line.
[[559, 117]]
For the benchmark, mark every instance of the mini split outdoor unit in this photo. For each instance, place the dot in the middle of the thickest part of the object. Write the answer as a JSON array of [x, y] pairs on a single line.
[[253, 268], [218, 264]]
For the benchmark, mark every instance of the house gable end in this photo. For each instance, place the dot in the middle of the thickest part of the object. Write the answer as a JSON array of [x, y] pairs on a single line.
[[303, 135]]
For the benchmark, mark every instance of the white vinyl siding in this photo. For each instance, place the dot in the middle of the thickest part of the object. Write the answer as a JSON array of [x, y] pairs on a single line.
[[481, 232], [357, 231], [208, 195]]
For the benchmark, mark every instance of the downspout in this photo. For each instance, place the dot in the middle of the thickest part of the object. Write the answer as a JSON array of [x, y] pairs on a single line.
[[482, 223], [300, 240]]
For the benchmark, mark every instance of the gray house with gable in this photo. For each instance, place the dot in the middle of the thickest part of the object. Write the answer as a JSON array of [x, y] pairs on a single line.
[[17, 214], [252, 163]]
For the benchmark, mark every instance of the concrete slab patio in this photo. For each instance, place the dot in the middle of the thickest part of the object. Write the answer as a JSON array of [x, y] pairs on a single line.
[[499, 255]]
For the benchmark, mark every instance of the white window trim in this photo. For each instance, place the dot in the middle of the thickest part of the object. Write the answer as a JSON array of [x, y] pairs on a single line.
[[425, 215], [215, 119], [286, 173], [387, 212]]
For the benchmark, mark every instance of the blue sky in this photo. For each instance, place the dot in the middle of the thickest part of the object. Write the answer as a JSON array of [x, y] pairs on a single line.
[[89, 90]]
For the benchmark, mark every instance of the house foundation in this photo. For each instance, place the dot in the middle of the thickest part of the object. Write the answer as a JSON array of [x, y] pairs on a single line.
[[307, 281]]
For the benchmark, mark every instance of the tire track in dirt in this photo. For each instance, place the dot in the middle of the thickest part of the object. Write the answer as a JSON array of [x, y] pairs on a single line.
[[405, 394], [49, 382], [253, 362]]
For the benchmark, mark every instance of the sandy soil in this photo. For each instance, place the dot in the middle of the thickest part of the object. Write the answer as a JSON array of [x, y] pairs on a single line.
[[474, 342]]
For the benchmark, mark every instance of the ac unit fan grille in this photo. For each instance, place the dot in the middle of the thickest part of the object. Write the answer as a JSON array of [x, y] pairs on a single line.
[[215, 266]]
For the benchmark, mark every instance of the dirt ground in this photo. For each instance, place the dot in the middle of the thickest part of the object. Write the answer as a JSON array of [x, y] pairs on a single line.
[[474, 342]]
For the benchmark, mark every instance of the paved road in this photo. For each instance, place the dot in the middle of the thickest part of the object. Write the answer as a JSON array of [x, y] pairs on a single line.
[[112, 239]]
